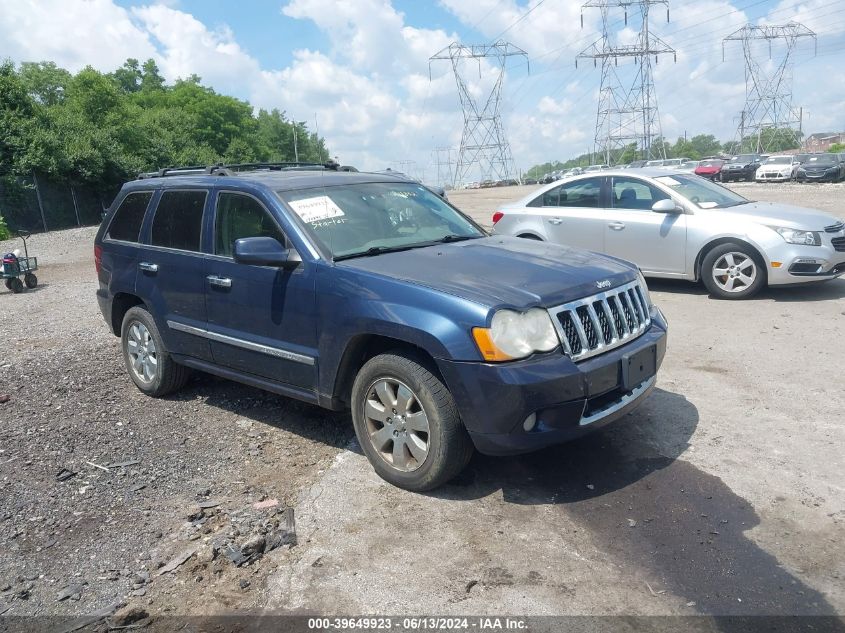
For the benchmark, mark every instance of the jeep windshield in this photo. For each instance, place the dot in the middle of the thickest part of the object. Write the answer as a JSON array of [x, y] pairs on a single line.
[[365, 219], [701, 192]]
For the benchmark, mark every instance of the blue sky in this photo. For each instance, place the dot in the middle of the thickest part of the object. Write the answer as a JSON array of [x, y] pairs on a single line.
[[360, 67]]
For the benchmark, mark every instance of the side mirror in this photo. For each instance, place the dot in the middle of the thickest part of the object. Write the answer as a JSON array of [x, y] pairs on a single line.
[[265, 251], [666, 206]]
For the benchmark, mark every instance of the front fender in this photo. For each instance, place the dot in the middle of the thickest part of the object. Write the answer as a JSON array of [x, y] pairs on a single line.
[[352, 304]]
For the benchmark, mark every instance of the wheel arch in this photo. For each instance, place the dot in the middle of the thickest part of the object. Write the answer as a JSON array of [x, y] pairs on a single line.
[[121, 303], [702, 253], [360, 349]]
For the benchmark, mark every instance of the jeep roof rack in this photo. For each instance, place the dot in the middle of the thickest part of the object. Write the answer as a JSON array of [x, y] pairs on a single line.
[[221, 169]]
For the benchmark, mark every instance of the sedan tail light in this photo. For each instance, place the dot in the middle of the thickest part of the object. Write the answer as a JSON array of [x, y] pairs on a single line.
[[498, 216]]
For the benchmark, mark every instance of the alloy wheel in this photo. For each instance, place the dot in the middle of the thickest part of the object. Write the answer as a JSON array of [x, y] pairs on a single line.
[[397, 424], [142, 351], [734, 272]]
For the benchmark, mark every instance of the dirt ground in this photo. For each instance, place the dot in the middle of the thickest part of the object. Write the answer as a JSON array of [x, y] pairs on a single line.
[[722, 494]]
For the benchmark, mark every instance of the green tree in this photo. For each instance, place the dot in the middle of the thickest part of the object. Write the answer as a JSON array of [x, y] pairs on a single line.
[[151, 78], [45, 81], [129, 76], [837, 148]]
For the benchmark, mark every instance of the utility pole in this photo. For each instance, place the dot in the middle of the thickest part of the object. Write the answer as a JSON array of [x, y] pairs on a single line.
[[483, 142], [627, 109], [768, 84]]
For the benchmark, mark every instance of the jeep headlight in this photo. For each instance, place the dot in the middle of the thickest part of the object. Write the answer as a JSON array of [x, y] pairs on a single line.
[[796, 236], [513, 335]]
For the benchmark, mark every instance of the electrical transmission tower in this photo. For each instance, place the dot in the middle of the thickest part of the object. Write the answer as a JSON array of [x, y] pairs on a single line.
[[769, 121], [444, 162], [483, 142], [627, 108]]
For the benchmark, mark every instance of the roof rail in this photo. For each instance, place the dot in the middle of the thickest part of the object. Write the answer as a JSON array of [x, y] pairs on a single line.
[[221, 169]]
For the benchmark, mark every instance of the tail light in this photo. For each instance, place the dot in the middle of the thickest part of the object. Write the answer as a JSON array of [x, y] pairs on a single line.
[[498, 216], [98, 256]]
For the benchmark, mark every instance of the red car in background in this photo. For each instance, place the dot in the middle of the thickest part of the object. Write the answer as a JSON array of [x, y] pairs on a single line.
[[710, 168]]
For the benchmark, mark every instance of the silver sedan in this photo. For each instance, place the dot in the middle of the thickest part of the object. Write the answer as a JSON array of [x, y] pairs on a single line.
[[681, 226]]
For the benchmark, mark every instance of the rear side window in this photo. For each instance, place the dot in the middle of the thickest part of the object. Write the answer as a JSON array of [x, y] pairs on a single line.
[[580, 193], [127, 220], [241, 216], [178, 220]]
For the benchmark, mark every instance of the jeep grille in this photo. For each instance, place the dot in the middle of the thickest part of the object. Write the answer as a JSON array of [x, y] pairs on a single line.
[[601, 322]]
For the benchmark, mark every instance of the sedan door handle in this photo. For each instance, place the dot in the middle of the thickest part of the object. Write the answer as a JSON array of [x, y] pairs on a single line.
[[617, 226], [555, 221], [220, 282], [147, 267]]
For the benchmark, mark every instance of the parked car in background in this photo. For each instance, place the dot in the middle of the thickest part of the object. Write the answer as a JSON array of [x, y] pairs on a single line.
[[777, 169], [438, 189], [529, 181], [369, 293], [674, 163], [637, 164], [575, 171], [688, 167], [680, 226], [740, 167], [710, 168], [658, 162], [595, 168], [821, 168]]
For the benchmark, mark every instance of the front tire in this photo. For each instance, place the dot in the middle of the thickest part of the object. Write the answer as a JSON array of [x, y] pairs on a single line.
[[407, 422], [147, 360], [733, 271]]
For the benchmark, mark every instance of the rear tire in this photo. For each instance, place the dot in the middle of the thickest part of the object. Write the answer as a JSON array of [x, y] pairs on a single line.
[[148, 362], [407, 422], [733, 271]]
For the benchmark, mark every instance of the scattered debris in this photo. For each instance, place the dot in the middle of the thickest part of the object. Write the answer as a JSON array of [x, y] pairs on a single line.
[[177, 561], [632, 523], [138, 487], [653, 592], [73, 591], [130, 614], [207, 505], [131, 462], [97, 466], [88, 620], [470, 585], [4, 398], [244, 584], [64, 474], [691, 603], [590, 487], [267, 503], [4, 609]]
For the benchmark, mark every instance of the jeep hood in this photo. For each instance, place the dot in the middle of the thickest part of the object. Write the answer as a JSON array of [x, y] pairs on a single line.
[[502, 271]]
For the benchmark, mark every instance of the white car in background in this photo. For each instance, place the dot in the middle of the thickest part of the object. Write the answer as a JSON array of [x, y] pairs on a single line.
[[777, 169]]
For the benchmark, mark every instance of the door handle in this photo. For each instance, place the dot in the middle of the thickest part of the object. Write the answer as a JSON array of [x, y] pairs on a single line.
[[555, 221], [220, 282], [147, 267], [617, 226]]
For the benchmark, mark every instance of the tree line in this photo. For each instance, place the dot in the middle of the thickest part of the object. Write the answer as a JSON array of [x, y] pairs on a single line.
[[694, 148], [100, 129]]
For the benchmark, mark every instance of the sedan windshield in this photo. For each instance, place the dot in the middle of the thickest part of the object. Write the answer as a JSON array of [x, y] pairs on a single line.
[[373, 218], [828, 159], [702, 192]]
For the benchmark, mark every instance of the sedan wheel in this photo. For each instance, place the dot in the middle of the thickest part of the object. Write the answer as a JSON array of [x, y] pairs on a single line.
[[732, 271]]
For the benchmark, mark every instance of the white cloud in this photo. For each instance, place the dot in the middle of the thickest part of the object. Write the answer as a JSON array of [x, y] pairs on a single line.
[[73, 34]]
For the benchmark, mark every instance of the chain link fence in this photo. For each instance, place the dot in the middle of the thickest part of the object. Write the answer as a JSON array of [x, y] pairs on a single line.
[[37, 204]]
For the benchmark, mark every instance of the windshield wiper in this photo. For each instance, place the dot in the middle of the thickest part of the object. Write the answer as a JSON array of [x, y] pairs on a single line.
[[374, 250], [457, 238]]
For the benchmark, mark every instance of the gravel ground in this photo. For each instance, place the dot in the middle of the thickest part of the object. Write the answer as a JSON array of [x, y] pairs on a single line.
[[102, 488]]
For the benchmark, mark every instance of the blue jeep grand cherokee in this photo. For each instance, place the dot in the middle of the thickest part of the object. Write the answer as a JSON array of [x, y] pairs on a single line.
[[371, 292]]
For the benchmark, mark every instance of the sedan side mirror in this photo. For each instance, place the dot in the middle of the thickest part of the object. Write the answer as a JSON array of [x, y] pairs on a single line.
[[265, 251], [666, 206]]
